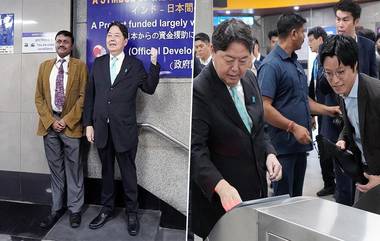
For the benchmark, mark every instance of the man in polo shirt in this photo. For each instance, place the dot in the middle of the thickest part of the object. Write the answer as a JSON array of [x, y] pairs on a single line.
[[287, 106]]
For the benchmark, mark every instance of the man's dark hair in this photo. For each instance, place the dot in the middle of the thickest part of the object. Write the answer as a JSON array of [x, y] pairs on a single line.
[[122, 27], [343, 47], [66, 34], [348, 6], [202, 37], [287, 22], [318, 32], [232, 30], [272, 33], [367, 33]]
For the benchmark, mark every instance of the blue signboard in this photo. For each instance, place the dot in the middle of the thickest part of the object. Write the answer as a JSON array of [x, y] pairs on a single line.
[[6, 33], [167, 25]]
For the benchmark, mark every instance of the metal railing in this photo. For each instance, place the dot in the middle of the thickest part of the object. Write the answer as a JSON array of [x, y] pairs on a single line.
[[163, 133]]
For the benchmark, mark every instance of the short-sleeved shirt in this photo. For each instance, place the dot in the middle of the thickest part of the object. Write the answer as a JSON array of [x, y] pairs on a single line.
[[282, 78]]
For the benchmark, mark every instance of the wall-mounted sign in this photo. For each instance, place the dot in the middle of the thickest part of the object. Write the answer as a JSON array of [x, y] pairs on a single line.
[[167, 25], [38, 42], [7, 33]]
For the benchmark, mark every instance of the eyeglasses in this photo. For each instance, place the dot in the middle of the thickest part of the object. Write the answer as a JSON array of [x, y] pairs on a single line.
[[339, 74]]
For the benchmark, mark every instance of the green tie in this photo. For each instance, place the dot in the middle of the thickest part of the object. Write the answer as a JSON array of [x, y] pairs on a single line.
[[241, 109], [113, 69]]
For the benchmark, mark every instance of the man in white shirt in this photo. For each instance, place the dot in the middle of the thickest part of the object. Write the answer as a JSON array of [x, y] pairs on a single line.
[[202, 52], [59, 101]]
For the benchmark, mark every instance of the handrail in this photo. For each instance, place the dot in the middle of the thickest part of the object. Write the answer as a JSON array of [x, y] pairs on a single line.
[[164, 134]]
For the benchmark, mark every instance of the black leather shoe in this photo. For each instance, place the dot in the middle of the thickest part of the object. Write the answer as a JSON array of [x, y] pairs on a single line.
[[133, 224], [75, 219], [100, 220], [326, 191], [50, 220]]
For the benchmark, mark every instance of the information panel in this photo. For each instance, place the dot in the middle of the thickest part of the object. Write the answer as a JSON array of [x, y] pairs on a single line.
[[6, 33], [167, 25]]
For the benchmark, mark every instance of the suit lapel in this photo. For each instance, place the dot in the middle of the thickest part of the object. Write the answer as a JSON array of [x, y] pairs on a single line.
[[225, 102], [72, 67], [123, 70], [46, 80], [251, 100], [362, 105]]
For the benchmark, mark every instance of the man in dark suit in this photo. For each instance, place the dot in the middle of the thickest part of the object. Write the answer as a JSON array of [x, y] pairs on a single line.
[[230, 153], [322, 93], [202, 52], [257, 57], [347, 15], [360, 104], [110, 119]]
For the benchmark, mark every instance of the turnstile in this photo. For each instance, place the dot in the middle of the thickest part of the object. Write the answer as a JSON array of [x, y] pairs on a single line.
[[296, 219]]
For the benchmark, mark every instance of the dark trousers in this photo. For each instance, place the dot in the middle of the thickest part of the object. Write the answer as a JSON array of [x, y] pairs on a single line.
[[327, 168], [293, 174], [126, 161], [345, 188]]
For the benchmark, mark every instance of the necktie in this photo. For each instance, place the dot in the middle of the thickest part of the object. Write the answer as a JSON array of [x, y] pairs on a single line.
[[113, 69], [315, 70], [59, 97], [241, 109]]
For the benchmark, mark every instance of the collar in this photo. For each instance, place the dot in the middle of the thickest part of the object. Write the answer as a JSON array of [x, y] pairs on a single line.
[[283, 55], [119, 56], [238, 86], [207, 60], [354, 91], [66, 58]]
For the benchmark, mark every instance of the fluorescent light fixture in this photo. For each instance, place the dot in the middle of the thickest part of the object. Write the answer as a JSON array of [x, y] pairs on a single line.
[[26, 22], [296, 8], [228, 12]]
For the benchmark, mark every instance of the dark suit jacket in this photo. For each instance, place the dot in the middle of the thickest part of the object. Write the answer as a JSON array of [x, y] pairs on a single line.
[[367, 57], [369, 123], [117, 102], [222, 147], [197, 67]]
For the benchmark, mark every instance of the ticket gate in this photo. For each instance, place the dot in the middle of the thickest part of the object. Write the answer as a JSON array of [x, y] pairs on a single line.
[[296, 219]]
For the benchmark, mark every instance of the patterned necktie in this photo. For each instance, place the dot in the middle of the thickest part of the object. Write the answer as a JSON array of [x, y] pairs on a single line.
[[241, 109], [59, 97], [113, 69]]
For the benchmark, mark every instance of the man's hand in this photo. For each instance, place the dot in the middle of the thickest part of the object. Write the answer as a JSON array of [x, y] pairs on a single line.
[[229, 196], [57, 127], [301, 134], [62, 123], [274, 168], [341, 144], [333, 110], [373, 181], [90, 134], [153, 55]]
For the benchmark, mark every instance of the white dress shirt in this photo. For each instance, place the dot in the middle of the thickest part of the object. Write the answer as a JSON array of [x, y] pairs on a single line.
[[119, 62], [351, 102], [53, 79]]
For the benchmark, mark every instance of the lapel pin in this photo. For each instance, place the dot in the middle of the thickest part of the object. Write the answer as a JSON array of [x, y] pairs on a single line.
[[126, 70]]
